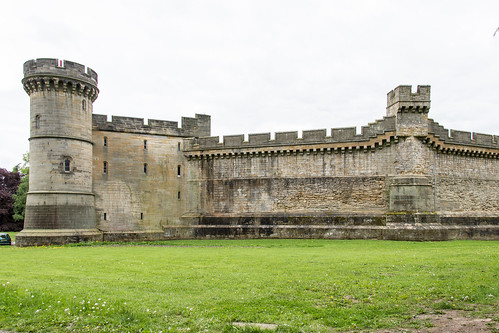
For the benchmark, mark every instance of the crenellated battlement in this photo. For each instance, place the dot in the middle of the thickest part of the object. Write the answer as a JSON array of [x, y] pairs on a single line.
[[402, 99], [60, 76], [56, 67], [336, 135], [190, 127], [461, 137]]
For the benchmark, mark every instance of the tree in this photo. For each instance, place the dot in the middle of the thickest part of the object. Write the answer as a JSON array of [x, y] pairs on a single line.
[[22, 191], [9, 182]]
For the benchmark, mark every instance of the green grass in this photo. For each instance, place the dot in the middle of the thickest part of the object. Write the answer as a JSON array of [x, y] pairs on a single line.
[[196, 286]]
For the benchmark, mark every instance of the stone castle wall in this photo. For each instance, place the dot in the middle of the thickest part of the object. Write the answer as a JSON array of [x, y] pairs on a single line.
[[402, 177]]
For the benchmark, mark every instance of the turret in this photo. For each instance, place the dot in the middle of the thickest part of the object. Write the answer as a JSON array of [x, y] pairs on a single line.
[[410, 109], [60, 204]]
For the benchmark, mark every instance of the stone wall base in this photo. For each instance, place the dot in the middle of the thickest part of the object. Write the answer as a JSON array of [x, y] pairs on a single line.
[[40, 237], [398, 226], [404, 227]]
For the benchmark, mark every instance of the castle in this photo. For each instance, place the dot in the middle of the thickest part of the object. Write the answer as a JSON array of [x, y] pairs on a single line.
[[404, 177]]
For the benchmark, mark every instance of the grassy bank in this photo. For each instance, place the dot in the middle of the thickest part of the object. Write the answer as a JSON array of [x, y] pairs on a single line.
[[300, 285]]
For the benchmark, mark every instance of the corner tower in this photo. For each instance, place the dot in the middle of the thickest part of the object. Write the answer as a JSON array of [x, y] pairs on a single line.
[[60, 204]]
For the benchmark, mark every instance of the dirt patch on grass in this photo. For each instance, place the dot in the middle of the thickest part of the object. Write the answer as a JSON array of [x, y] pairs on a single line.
[[452, 321]]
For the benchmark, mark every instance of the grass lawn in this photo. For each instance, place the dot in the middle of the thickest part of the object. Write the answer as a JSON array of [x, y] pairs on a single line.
[[299, 285]]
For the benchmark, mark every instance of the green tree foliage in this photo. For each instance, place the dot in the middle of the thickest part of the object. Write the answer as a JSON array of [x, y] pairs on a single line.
[[9, 181], [22, 191]]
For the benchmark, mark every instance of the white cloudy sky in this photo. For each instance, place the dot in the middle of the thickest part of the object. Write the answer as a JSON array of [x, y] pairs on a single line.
[[258, 65]]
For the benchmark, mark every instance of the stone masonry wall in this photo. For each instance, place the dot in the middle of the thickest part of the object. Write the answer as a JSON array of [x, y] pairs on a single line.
[[467, 185], [354, 181], [134, 200]]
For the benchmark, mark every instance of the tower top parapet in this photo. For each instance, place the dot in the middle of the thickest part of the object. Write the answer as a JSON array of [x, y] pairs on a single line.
[[402, 99], [61, 68]]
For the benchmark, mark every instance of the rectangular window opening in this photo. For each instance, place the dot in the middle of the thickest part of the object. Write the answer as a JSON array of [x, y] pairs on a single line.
[[67, 165], [105, 141], [145, 144], [178, 195], [178, 146], [105, 167], [145, 167], [105, 216], [141, 216], [178, 170]]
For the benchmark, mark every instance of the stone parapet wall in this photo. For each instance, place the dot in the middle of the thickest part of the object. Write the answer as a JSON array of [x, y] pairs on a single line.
[[63, 68], [191, 127], [462, 137], [336, 135]]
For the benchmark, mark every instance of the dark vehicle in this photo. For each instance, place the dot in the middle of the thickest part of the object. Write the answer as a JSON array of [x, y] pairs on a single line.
[[4, 239]]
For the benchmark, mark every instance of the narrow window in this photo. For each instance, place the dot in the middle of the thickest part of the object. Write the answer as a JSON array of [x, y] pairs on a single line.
[[67, 165], [105, 216], [84, 105], [141, 216], [178, 170], [105, 167], [145, 167], [37, 121], [178, 195], [105, 141], [145, 144], [178, 146]]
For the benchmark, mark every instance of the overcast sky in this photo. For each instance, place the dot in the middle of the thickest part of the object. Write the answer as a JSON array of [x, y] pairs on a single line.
[[258, 66]]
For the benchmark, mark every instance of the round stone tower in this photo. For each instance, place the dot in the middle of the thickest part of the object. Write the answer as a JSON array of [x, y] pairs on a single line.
[[60, 204]]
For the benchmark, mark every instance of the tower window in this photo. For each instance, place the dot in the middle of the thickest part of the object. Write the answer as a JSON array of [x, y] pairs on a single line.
[[141, 216], [105, 141], [178, 195], [178, 146], [145, 144], [37, 121], [145, 167], [84, 105], [105, 216], [105, 167], [67, 165], [178, 170]]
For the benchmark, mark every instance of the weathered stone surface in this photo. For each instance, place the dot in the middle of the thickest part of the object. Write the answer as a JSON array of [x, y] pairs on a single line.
[[403, 177]]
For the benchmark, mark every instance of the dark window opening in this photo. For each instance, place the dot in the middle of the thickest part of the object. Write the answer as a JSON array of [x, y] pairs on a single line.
[[105, 141], [178, 146], [178, 195], [37, 121], [67, 165], [84, 105], [105, 216], [178, 170], [105, 167], [145, 144], [145, 167], [141, 216]]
